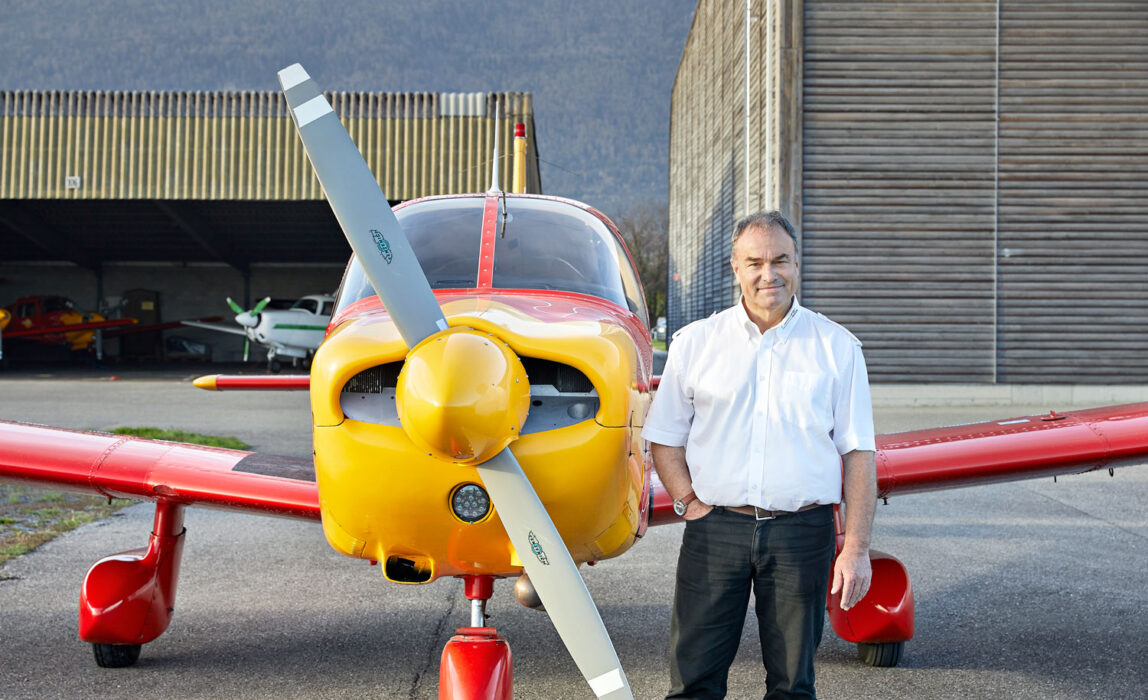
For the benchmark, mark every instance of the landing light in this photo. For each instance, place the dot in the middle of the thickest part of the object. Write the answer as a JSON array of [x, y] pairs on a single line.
[[470, 503]]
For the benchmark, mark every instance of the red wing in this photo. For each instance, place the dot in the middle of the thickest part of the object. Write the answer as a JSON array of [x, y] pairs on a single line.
[[1009, 450], [128, 467], [997, 451], [66, 328]]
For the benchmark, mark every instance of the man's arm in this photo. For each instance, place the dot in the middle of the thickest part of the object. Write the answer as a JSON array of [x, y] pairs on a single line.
[[852, 573], [670, 463]]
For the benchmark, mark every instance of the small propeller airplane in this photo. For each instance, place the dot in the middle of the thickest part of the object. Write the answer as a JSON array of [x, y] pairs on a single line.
[[55, 320], [294, 332], [477, 407]]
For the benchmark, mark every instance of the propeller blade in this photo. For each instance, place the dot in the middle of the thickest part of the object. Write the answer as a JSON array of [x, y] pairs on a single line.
[[246, 348], [234, 306], [362, 210], [554, 575], [390, 264], [260, 306]]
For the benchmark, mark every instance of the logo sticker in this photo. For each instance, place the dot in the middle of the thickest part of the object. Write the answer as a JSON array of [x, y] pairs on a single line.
[[536, 547], [383, 246]]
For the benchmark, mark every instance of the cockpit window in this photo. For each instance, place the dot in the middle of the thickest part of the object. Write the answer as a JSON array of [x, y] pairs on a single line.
[[541, 244], [57, 304], [445, 234], [309, 305], [550, 245]]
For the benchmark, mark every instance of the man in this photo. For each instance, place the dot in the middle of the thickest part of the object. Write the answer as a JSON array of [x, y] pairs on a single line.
[[761, 408]]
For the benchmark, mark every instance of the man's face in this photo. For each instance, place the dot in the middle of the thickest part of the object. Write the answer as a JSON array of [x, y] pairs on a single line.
[[765, 264]]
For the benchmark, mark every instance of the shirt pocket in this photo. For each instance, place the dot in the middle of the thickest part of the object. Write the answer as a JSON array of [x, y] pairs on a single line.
[[804, 400]]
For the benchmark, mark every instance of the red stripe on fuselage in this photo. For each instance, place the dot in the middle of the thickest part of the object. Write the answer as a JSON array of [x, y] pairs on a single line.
[[486, 247]]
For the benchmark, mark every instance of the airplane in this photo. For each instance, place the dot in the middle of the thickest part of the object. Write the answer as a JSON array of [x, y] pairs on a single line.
[[43, 319], [476, 410], [294, 332]]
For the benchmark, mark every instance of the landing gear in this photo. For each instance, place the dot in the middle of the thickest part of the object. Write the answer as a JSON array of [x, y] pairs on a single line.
[[476, 662], [882, 654], [883, 620], [116, 655], [127, 599]]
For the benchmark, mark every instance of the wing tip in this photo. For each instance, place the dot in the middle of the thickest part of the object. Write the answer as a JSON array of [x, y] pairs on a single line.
[[207, 382]]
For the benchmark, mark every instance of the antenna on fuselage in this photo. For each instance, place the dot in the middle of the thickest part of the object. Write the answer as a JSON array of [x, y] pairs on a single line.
[[497, 128]]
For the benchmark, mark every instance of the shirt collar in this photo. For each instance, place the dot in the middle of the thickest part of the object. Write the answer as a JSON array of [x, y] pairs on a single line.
[[783, 329]]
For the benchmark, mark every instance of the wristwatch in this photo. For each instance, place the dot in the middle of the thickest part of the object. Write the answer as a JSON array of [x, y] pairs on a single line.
[[681, 504]]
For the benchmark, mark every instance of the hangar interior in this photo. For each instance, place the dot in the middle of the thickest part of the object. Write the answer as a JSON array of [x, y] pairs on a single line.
[[202, 196]]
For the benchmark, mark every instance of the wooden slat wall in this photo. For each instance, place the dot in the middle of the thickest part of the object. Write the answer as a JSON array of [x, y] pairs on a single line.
[[707, 179], [242, 145], [898, 187], [1073, 221]]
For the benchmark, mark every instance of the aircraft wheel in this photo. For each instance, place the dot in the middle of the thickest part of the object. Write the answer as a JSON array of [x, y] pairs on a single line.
[[882, 654], [116, 655], [274, 366]]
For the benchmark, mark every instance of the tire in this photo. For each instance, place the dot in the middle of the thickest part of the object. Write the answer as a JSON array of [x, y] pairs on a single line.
[[116, 655], [882, 654]]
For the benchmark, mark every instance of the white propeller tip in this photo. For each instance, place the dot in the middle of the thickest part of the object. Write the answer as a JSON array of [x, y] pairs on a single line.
[[292, 75]]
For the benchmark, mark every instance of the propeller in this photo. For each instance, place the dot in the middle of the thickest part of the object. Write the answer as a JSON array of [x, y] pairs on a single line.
[[248, 319], [389, 262]]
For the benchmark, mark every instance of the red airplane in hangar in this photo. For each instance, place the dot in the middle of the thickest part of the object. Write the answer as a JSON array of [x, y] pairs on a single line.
[[55, 319], [477, 407]]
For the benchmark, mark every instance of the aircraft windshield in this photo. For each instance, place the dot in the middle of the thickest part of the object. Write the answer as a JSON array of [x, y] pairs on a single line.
[[445, 235], [307, 305], [549, 245], [57, 304], [544, 245]]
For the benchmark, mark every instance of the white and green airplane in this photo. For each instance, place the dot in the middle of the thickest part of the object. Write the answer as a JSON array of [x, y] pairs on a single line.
[[295, 332]]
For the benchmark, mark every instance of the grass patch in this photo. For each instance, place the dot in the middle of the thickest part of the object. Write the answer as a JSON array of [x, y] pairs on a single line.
[[659, 344], [184, 436], [29, 517]]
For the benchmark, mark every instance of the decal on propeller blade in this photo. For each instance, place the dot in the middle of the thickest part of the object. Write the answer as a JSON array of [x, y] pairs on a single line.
[[383, 246], [536, 547]]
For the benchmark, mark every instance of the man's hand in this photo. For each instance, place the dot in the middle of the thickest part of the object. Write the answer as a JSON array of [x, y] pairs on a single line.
[[696, 509], [852, 575]]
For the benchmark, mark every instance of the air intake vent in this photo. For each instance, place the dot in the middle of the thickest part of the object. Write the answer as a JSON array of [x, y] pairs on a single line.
[[374, 380], [562, 377]]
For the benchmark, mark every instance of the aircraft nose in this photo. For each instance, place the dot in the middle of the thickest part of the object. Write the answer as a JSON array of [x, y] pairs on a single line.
[[462, 395]]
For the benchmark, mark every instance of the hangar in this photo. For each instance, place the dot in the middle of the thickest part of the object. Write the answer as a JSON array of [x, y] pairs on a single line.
[[969, 178], [197, 196]]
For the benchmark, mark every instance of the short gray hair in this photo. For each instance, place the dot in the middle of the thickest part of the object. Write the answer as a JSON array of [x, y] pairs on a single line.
[[764, 220]]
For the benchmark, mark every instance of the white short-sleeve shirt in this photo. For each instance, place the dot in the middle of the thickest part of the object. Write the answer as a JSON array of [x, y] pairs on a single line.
[[764, 417]]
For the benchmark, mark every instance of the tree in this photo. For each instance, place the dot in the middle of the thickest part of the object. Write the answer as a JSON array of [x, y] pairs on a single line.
[[644, 226]]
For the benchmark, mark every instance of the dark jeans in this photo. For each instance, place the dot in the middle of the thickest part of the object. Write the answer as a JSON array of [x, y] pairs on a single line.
[[787, 562]]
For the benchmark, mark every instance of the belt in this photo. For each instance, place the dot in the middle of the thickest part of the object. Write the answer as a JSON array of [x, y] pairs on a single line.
[[763, 514]]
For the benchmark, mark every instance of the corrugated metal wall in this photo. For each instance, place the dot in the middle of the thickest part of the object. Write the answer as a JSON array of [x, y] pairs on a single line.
[[1073, 211], [899, 182], [974, 181], [242, 145]]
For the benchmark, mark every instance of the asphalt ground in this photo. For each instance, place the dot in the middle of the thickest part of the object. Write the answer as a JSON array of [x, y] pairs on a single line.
[[1024, 590]]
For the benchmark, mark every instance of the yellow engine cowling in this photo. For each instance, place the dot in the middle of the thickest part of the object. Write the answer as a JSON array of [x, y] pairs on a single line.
[[383, 497]]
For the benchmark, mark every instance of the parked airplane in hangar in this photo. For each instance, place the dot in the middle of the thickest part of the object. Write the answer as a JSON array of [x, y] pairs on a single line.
[[294, 332], [55, 320]]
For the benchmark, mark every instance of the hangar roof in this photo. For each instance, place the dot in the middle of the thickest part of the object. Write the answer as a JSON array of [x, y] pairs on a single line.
[[94, 177]]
